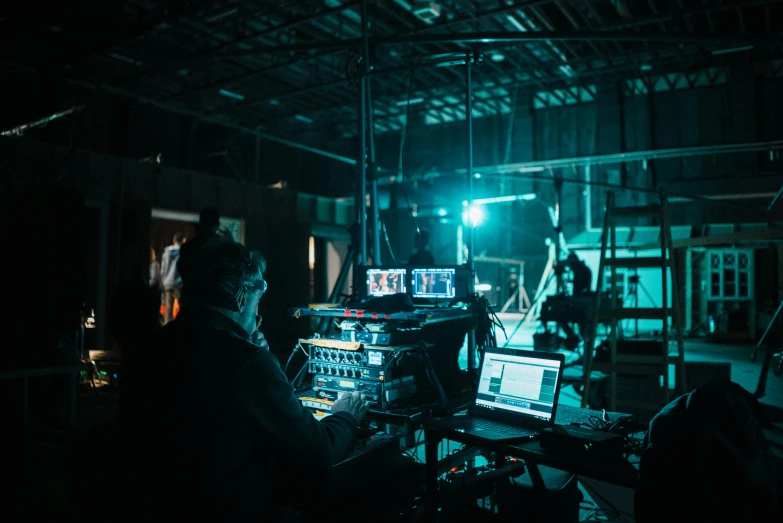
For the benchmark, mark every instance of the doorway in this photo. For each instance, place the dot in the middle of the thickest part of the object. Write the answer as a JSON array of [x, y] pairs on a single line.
[[166, 223]]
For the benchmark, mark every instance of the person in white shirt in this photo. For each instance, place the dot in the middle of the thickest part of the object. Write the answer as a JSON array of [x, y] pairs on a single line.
[[169, 276]]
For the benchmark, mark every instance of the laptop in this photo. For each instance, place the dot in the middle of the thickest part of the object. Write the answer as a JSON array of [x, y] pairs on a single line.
[[516, 396]]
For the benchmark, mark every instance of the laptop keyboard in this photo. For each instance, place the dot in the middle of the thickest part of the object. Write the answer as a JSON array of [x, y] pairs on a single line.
[[478, 423]]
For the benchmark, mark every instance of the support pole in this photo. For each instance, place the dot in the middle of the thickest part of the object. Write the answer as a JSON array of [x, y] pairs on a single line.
[[361, 182], [471, 257], [370, 140], [588, 198], [257, 163], [559, 242]]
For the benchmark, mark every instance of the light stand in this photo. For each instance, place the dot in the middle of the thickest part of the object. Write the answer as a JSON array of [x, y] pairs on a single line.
[[559, 247], [471, 225], [634, 284]]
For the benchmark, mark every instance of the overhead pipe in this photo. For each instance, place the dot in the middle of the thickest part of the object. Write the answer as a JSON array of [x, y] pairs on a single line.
[[19, 130], [673, 196], [210, 119], [579, 161]]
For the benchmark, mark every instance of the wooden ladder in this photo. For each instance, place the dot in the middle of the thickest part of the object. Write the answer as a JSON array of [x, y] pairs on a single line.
[[644, 365]]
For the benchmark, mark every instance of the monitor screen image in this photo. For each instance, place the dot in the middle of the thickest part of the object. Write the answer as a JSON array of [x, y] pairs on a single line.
[[519, 384], [385, 281], [434, 283]]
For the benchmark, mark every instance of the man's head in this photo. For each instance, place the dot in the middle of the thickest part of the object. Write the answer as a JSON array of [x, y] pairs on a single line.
[[422, 239], [209, 218], [572, 257], [225, 276], [179, 238]]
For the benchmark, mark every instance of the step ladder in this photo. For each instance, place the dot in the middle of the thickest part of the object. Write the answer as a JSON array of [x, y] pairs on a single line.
[[643, 365]]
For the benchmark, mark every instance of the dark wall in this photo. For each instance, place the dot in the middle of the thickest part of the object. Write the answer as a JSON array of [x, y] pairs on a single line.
[[123, 127]]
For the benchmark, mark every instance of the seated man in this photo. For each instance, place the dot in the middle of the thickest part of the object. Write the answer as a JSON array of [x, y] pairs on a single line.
[[218, 428]]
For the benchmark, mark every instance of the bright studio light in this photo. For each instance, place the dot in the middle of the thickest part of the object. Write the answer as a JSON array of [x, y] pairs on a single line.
[[483, 287], [476, 214]]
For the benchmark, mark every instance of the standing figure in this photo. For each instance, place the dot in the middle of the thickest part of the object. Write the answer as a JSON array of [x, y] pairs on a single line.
[[154, 271], [422, 256], [170, 278]]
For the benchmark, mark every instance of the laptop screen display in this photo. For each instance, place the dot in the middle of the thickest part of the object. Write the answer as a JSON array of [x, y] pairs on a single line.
[[518, 384]]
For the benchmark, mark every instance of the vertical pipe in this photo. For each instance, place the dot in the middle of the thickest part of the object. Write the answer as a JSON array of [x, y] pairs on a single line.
[[559, 242], [471, 260], [588, 199], [615, 325], [375, 210], [668, 261], [688, 290], [460, 243], [257, 165], [361, 183], [370, 140]]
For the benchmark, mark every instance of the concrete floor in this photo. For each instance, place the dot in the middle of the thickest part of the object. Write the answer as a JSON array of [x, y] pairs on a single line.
[[743, 372]]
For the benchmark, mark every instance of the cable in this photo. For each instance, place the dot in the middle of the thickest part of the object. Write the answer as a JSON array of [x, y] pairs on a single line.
[[386, 236], [291, 357], [444, 400], [403, 136]]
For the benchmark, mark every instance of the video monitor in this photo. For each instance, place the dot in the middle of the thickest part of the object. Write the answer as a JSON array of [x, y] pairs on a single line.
[[382, 281], [436, 283]]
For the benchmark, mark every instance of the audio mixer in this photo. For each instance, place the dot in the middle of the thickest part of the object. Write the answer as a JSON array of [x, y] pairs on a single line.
[[374, 371]]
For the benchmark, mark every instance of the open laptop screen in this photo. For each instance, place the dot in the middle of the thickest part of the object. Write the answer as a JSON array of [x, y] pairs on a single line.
[[518, 383]]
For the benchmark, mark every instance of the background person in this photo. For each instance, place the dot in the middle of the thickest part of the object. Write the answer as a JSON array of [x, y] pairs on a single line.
[[170, 278]]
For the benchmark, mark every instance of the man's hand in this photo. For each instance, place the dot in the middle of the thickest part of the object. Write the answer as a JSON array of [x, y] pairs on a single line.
[[259, 340], [353, 403]]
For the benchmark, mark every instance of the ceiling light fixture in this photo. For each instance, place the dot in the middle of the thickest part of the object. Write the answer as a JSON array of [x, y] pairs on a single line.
[[302, 118], [732, 50], [222, 15], [403, 103], [516, 23], [567, 70], [231, 94], [123, 58]]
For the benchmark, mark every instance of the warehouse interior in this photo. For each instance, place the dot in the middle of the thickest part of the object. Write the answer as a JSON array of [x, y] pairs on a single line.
[[597, 183]]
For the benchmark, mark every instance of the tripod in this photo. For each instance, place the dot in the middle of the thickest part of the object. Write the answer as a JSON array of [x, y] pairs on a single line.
[[762, 384], [634, 284]]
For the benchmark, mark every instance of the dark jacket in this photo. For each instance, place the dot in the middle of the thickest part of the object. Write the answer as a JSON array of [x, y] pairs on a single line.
[[707, 459], [219, 429]]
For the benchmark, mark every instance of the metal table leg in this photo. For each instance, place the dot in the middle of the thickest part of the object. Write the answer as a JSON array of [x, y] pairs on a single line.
[[431, 441]]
